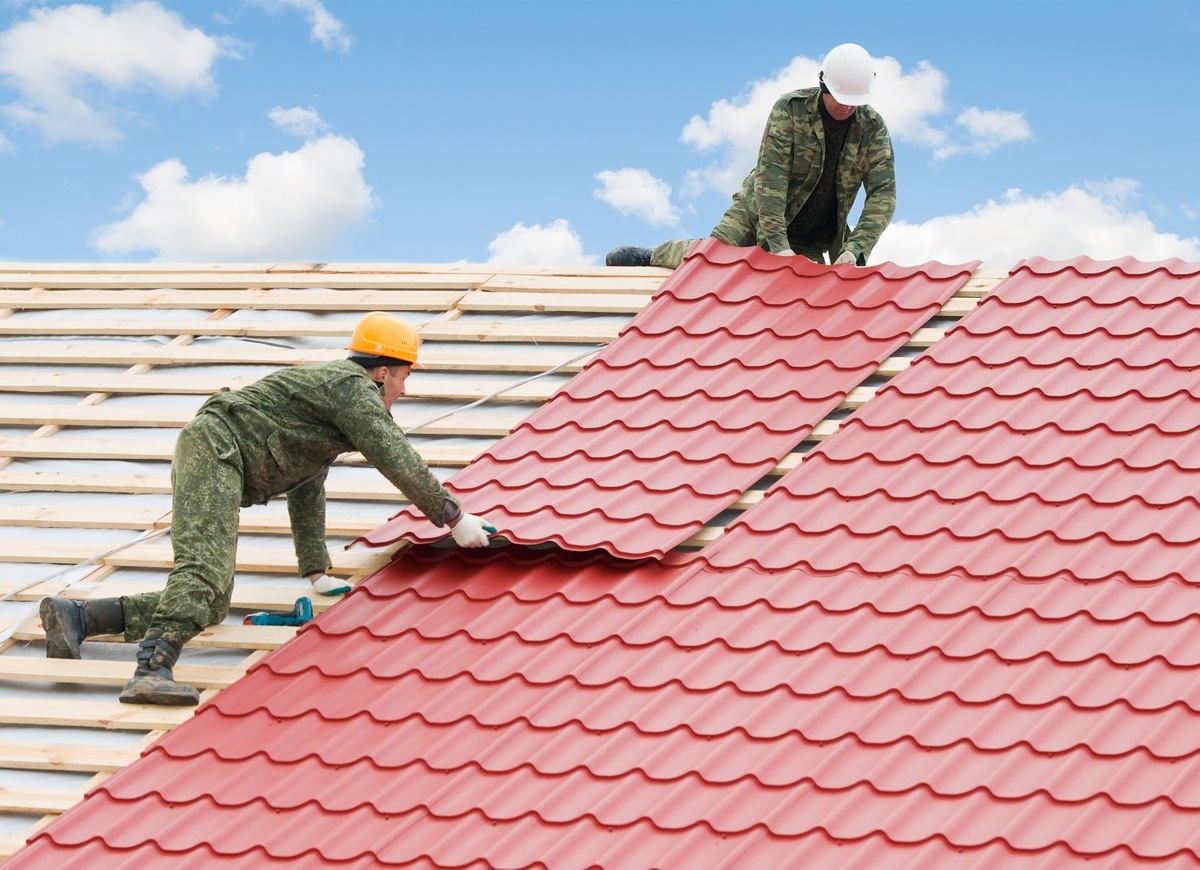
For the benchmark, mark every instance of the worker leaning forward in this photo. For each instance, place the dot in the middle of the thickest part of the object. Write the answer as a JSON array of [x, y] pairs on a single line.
[[820, 146], [278, 435]]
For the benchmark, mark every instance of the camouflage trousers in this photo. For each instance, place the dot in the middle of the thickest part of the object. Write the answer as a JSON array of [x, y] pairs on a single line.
[[737, 227], [206, 478]]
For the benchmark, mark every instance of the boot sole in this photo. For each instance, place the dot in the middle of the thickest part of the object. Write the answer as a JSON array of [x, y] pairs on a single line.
[[56, 648], [159, 691], [159, 698]]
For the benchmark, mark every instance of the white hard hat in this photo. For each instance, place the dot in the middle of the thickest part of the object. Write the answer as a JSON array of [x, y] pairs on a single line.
[[849, 74]]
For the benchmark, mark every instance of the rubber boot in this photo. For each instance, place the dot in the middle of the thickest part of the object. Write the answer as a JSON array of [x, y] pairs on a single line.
[[153, 682], [68, 622], [628, 255]]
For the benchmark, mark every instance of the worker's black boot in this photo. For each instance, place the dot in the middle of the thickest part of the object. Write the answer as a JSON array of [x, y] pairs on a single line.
[[628, 255], [153, 682], [68, 622]]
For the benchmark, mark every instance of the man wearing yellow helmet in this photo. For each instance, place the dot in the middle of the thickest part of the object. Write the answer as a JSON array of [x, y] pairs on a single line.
[[277, 435]]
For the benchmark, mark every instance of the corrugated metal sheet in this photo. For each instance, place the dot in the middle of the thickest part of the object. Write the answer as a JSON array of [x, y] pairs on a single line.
[[730, 366], [517, 707], [948, 667], [1047, 436]]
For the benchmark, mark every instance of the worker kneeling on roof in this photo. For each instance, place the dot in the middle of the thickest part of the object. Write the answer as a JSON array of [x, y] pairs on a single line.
[[820, 146], [278, 435]]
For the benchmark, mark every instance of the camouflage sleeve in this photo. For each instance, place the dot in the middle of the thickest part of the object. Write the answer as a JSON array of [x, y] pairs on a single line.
[[879, 205], [772, 172], [371, 429], [306, 510]]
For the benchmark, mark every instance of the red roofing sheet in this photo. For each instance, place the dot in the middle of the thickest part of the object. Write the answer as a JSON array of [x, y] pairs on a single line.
[[725, 371], [831, 684], [1052, 433], [514, 707]]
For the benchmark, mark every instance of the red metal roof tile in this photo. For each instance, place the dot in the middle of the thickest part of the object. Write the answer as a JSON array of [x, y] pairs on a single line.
[[922, 648], [727, 369], [456, 842], [98, 853], [984, 461], [957, 768], [1119, 270], [492, 706], [795, 809]]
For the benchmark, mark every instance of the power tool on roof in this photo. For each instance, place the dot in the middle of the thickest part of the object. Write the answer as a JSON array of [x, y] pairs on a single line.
[[299, 615]]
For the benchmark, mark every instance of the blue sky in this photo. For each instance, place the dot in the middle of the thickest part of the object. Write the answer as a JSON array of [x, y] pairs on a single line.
[[548, 131]]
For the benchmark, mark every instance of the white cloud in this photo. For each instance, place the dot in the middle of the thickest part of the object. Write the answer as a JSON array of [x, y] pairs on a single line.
[[290, 206], [911, 103], [70, 64], [323, 27], [637, 192], [300, 122], [987, 130], [6, 144], [1096, 220], [554, 245], [735, 127]]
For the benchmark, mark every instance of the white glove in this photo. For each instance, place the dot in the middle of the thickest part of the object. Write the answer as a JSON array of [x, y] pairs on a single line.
[[323, 584], [846, 258], [786, 252], [471, 531]]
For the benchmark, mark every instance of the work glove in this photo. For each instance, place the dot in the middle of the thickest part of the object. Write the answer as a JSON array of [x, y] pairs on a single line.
[[471, 531], [323, 584], [846, 258], [786, 252]]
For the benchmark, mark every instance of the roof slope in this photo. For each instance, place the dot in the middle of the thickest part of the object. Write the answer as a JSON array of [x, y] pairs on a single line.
[[1051, 434], [736, 359], [99, 368], [988, 659]]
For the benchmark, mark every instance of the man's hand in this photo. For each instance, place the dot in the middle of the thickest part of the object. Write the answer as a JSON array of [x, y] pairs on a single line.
[[471, 531], [786, 252], [323, 584], [846, 258]]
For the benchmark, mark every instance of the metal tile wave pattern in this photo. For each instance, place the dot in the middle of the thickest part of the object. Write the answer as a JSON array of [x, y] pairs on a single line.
[[959, 639], [1049, 435], [516, 706], [728, 368]]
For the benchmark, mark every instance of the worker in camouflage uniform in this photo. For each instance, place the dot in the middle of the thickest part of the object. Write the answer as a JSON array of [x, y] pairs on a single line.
[[278, 435], [820, 145]]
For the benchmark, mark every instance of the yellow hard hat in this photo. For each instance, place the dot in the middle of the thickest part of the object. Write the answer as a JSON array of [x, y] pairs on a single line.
[[381, 334]]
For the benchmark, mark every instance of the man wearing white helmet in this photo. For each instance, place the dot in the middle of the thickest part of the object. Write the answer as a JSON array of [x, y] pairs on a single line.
[[820, 146]]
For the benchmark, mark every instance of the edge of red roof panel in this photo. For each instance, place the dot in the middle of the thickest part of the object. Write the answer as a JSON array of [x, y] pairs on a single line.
[[720, 253], [901, 513], [1086, 266], [866, 292]]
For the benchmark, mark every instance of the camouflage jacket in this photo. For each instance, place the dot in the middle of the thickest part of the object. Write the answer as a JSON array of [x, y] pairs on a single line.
[[790, 160], [291, 425]]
